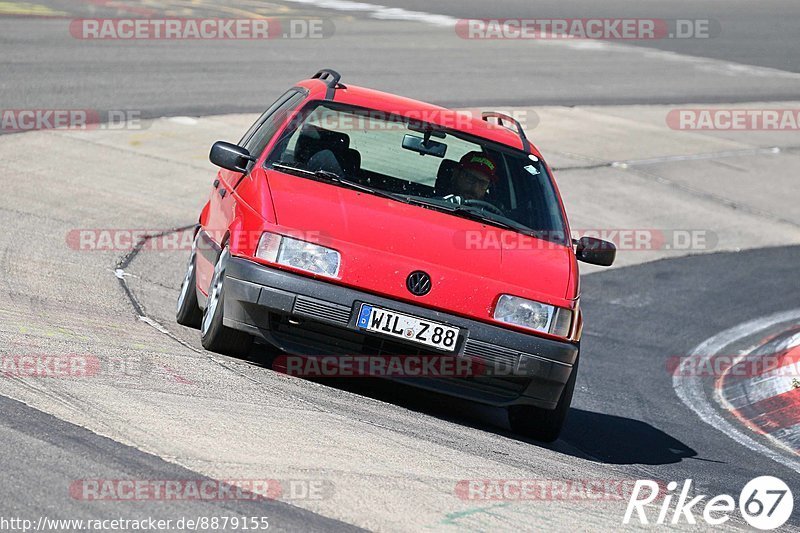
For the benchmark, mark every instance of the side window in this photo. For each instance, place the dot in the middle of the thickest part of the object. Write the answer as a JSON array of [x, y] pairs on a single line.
[[265, 128]]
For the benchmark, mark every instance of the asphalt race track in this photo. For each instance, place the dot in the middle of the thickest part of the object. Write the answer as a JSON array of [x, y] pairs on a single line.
[[368, 454]]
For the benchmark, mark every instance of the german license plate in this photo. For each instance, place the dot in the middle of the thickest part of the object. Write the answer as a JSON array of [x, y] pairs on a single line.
[[410, 328]]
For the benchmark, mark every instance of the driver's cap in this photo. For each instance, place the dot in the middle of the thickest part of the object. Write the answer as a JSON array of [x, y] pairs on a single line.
[[480, 162]]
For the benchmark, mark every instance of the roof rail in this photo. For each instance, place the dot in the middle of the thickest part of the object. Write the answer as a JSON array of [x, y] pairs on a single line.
[[331, 78], [502, 117]]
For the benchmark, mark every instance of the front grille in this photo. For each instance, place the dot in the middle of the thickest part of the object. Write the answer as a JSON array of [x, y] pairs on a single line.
[[501, 364], [317, 338], [497, 356], [321, 310]]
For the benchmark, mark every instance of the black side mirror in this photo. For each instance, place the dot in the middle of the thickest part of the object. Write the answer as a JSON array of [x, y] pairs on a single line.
[[230, 156], [595, 251]]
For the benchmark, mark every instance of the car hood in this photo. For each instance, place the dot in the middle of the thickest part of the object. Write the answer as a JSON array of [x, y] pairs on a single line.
[[382, 241]]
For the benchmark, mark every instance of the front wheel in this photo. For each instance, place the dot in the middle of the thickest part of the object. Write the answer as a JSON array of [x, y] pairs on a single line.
[[214, 335], [188, 312], [543, 424]]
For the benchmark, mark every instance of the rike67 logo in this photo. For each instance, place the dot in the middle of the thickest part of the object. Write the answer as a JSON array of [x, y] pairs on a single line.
[[765, 503]]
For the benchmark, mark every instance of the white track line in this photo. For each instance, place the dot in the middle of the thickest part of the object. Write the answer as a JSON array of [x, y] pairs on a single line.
[[726, 68], [382, 12], [690, 388]]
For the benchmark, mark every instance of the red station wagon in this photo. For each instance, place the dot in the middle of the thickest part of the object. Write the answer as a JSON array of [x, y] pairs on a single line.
[[350, 221]]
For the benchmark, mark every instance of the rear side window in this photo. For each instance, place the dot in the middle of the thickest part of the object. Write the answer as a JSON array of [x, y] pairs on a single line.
[[260, 133]]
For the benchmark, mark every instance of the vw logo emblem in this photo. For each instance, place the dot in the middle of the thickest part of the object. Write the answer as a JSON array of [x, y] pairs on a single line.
[[419, 283]]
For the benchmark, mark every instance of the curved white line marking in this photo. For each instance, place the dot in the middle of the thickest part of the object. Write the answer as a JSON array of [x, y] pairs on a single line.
[[690, 388]]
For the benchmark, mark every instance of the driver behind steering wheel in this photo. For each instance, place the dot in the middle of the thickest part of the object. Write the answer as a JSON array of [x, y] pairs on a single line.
[[472, 178]]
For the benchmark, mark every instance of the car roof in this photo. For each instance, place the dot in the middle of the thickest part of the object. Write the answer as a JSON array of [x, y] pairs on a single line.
[[415, 109]]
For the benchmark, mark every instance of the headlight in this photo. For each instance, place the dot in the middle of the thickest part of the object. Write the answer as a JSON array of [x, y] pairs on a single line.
[[298, 254], [533, 315]]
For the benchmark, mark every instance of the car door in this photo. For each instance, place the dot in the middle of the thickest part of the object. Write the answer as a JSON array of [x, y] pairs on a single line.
[[222, 202]]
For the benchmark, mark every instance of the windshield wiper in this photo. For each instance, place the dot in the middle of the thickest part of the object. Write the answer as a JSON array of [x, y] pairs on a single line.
[[336, 178], [477, 215], [465, 212], [473, 214]]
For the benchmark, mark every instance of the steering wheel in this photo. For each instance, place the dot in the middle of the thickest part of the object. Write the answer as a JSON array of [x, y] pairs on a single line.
[[484, 205]]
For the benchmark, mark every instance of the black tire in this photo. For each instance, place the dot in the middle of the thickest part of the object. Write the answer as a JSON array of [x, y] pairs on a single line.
[[543, 424], [189, 312], [215, 336]]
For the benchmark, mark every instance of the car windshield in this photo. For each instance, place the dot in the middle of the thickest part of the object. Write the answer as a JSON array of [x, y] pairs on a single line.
[[423, 164]]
